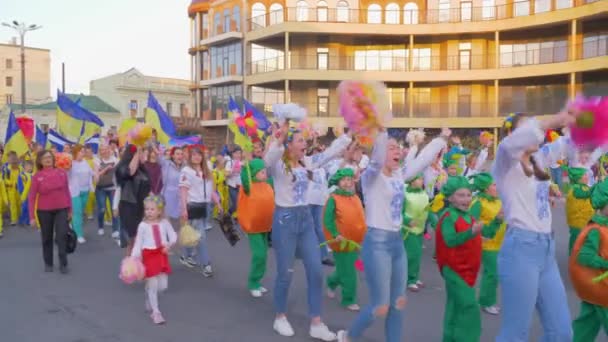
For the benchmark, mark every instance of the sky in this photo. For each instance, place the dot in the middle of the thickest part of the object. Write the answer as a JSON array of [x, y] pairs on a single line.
[[97, 38]]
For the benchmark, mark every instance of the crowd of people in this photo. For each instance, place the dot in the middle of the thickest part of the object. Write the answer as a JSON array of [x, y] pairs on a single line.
[[351, 207]]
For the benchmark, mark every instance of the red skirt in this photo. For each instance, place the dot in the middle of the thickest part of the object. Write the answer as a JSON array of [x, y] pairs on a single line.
[[155, 261]]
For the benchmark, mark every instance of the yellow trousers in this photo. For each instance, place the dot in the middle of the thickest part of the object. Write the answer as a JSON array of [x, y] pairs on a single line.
[[14, 202]]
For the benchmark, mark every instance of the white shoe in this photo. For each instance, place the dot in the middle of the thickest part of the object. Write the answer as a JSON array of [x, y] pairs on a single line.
[[100, 232], [354, 307], [342, 336], [256, 293], [419, 283], [282, 327], [321, 332], [263, 289], [413, 287], [115, 235], [81, 240], [207, 271], [492, 310]]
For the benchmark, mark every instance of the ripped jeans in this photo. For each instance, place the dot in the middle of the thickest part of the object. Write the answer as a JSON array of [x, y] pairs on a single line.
[[293, 236], [385, 264]]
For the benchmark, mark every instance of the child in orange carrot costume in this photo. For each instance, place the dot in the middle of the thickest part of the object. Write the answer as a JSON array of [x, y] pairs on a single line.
[[589, 259], [255, 206], [344, 223]]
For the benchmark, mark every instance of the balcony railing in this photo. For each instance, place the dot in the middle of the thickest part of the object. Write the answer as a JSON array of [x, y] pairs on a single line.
[[403, 16], [463, 61]]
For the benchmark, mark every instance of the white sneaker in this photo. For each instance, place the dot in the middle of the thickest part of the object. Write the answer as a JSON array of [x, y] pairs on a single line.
[[207, 271], [321, 332], [353, 307], [115, 235], [81, 240], [342, 336], [492, 310], [282, 327], [100, 232], [90, 218], [256, 293], [263, 289], [413, 287]]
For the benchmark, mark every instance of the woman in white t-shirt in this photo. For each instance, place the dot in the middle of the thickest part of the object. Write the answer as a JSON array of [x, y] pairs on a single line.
[[81, 183], [527, 269], [196, 188]]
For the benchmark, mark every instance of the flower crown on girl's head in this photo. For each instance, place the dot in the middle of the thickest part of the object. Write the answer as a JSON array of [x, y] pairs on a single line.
[[157, 200], [290, 134], [508, 124]]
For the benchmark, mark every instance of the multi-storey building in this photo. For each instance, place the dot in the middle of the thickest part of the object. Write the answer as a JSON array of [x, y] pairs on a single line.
[[462, 64], [37, 74]]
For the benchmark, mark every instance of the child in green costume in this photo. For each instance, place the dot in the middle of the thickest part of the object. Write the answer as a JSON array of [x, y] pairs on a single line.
[[578, 204], [255, 208], [415, 215], [344, 221], [458, 248], [487, 209], [589, 259]]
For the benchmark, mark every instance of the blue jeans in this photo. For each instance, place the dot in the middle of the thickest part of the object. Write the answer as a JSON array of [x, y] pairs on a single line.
[[101, 198], [385, 265], [317, 218], [292, 236], [530, 279], [233, 195], [202, 250]]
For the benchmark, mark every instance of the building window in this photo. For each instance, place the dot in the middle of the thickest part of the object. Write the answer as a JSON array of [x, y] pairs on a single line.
[[236, 19], [9, 99], [488, 9], [392, 13], [9, 81], [258, 15], [276, 13], [205, 63], [182, 109], [541, 6], [410, 13], [217, 24], [133, 107], [322, 58], [464, 101], [9, 63], [302, 11], [374, 14], [422, 102], [226, 60], [522, 8], [321, 11], [322, 102], [559, 4], [444, 11], [464, 56], [595, 45], [227, 18], [205, 26], [342, 12], [422, 59], [466, 11], [169, 108]]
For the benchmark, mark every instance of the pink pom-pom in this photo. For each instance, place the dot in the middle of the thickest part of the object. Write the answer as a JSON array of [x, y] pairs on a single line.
[[359, 265], [591, 127], [131, 270], [364, 106]]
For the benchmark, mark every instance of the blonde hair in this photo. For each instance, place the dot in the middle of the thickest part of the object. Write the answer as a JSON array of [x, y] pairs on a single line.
[[158, 202]]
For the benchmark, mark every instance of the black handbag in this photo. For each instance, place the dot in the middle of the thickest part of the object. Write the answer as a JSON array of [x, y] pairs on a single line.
[[196, 211], [71, 240]]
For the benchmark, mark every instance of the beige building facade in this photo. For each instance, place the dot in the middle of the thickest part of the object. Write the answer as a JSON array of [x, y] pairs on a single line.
[[464, 64], [128, 93], [37, 74]]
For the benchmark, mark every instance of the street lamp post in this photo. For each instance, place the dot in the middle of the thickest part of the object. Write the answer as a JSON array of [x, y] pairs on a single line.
[[22, 29]]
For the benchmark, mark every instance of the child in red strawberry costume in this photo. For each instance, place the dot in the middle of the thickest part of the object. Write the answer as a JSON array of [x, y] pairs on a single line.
[[458, 246]]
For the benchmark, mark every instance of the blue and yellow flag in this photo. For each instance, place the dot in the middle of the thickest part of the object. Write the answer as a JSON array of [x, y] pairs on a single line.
[[164, 126], [15, 140], [75, 122], [40, 136]]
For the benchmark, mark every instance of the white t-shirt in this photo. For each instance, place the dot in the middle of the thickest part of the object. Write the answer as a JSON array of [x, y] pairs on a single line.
[[145, 237], [80, 178], [233, 179], [200, 189]]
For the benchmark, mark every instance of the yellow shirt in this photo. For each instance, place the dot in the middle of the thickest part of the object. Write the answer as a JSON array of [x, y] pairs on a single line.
[[578, 210], [489, 210]]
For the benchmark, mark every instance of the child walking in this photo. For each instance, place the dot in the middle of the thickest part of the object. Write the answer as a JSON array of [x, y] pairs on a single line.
[[155, 236], [578, 203], [344, 218], [588, 260]]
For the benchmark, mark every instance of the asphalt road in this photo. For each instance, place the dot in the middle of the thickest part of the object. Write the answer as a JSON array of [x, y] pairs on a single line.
[[92, 305]]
